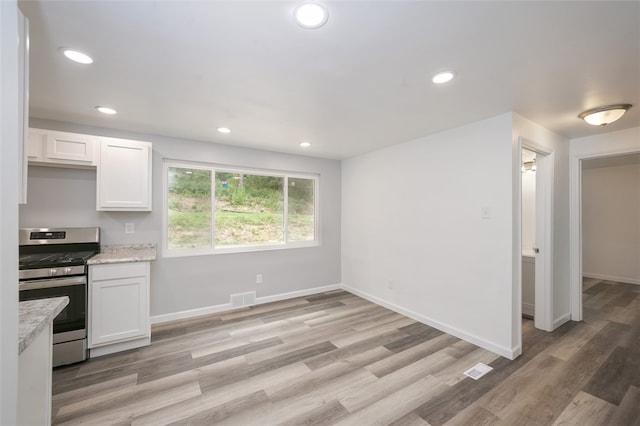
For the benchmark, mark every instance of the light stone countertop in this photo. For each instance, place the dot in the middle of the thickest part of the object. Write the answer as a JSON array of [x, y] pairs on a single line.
[[34, 315], [122, 253]]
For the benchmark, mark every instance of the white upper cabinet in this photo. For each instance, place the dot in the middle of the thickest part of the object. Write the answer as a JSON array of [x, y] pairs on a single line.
[[123, 167], [35, 145], [71, 148], [47, 147], [124, 175]]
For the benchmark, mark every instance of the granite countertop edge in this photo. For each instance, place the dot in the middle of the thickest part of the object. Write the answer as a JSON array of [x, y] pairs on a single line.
[[35, 315], [124, 253]]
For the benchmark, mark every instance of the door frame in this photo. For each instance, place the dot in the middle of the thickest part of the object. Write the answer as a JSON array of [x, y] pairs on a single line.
[[545, 160], [575, 220]]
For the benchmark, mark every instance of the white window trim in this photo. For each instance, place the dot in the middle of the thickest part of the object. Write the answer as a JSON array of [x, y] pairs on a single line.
[[214, 168]]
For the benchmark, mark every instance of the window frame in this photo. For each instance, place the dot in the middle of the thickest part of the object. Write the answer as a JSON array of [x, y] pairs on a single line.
[[214, 168]]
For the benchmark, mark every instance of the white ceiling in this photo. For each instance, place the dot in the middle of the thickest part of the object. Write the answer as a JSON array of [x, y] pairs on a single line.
[[359, 83]]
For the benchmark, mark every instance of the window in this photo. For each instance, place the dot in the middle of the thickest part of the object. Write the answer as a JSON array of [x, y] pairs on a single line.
[[211, 209]]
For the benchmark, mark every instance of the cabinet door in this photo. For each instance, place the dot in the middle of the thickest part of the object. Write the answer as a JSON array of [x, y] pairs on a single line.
[[35, 145], [118, 310], [71, 148], [124, 175]]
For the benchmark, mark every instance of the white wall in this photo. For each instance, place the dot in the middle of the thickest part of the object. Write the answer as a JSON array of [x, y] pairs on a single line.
[[8, 211], [611, 223], [66, 197], [411, 213]]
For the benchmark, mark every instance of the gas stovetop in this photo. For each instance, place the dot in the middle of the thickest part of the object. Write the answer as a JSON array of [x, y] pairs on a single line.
[[52, 260], [56, 252]]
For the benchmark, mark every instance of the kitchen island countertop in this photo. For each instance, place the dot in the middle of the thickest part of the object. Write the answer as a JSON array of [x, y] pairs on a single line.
[[35, 315], [122, 253]]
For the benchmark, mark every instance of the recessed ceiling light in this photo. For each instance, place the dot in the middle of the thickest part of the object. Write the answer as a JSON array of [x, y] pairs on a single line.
[[76, 56], [311, 15], [224, 130], [305, 144], [601, 116], [106, 110], [443, 77]]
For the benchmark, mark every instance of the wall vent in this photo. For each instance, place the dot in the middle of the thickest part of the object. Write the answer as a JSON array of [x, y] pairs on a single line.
[[243, 299]]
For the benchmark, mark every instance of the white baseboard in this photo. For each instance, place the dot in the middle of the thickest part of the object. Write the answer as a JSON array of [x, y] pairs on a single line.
[[561, 320], [298, 293], [510, 353], [528, 309], [625, 280], [207, 310], [118, 347], [191, 313]]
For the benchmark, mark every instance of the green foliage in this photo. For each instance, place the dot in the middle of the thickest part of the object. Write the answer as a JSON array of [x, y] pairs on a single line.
[[236, 228], [190, 182], [252, 192], [189, 229], [249, 208]]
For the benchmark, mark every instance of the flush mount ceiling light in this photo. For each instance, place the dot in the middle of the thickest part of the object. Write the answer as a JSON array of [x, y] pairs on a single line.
[[106, 110], [224, 130], [601, 116], [443, 77], [305, 144], [76, 56], [311, 15]]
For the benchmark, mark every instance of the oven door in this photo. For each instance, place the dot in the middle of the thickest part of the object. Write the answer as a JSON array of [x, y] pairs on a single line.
[[71, 323]]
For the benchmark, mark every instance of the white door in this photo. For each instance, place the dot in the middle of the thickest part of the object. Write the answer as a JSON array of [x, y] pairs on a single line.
[[543, 317]]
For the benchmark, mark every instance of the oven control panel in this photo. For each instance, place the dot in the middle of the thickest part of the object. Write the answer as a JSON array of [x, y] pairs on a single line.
[[39, 235]]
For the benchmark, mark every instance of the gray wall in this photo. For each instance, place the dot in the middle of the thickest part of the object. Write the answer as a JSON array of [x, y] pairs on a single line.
[[66, 197], [611, 223]]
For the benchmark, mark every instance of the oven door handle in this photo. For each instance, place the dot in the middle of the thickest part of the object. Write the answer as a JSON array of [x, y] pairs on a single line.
[[56, 282]]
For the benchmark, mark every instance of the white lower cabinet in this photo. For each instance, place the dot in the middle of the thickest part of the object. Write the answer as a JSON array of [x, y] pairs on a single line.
[[34, 380], [118, 307]]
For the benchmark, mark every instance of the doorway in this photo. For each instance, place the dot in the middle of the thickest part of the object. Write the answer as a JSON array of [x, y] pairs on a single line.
[[610, 216], [588, 153], [536, 231], [528, 215]]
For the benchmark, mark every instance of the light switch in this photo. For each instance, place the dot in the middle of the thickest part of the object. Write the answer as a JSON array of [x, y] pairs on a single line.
[[485, 212]]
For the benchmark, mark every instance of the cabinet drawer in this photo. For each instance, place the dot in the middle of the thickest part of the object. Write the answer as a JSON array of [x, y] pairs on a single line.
[[118, 270]]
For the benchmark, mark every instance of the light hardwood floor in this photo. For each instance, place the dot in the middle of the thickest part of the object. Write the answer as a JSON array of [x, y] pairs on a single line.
[[334, 358]]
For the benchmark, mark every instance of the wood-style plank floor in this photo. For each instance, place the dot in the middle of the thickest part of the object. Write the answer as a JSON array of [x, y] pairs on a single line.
[[334, 358]]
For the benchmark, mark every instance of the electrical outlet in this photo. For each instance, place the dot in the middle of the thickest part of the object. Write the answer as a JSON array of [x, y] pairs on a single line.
[[259, 279], [129, 228], [390, 284]]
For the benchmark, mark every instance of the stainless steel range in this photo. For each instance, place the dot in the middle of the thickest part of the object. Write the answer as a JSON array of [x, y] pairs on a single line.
[[53, 262]]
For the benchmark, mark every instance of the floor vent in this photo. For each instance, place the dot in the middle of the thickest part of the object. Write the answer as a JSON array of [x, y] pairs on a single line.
[[478, 371], [243, 299]]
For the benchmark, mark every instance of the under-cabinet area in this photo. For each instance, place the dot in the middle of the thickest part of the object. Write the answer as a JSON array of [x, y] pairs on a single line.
[[123, 166]]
